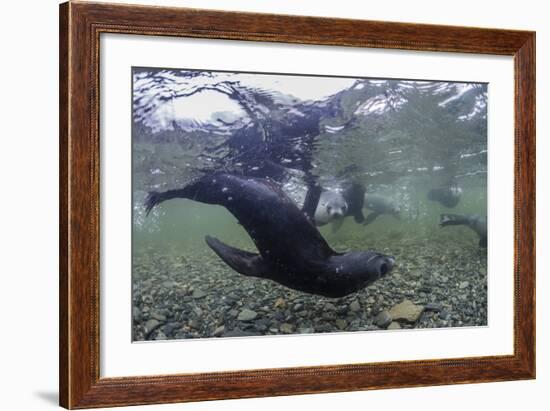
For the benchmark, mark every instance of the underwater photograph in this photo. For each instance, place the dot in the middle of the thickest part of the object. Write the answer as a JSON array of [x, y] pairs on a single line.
[[274, 204]]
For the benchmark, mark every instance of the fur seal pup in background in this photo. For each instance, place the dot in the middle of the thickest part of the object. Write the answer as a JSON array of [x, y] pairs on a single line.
[[448, 196], [379, 205], [292, 252], [475, 222], [332, 208]]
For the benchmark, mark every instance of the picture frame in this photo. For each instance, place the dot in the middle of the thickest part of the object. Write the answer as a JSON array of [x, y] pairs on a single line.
[[81, 25]]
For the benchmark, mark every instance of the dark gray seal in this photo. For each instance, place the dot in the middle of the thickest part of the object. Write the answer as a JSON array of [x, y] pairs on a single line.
[[448, 196], [475, 222], [292, 252], [354, 194]]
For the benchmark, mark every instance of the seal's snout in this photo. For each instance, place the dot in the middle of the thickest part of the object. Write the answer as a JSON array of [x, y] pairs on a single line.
[[336, 212], [385, 265]]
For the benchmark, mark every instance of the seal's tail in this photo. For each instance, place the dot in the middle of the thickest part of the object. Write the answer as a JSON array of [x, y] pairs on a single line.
[[452, 219]]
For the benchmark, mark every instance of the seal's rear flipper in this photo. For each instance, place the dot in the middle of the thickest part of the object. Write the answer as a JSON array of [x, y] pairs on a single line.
[[154, 198], [371, 217], [243, 262]]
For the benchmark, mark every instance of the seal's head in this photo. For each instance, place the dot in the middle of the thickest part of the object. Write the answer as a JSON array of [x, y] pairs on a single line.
[[364, 266], [355, 270], [396, 211], [456, 191], [378, 265], [336, 207]]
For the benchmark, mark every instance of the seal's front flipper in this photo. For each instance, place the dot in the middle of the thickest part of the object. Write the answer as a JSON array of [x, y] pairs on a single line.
[[243, 262], [359, 217], [371, 217]]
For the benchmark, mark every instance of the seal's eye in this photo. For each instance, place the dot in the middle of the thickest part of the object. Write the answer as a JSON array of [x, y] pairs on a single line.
[[383, 269], [329, 209]]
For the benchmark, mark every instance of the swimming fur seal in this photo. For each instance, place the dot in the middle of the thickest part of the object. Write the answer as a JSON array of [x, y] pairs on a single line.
[[332, 207], [379, 205], [292, 252], [448, 196], [475, 222]]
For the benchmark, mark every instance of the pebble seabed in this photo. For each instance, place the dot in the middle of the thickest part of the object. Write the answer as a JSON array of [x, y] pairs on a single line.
[[441, 283]]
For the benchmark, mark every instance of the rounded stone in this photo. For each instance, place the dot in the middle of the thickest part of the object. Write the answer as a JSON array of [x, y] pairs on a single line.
[[247, 315], [383, 319]]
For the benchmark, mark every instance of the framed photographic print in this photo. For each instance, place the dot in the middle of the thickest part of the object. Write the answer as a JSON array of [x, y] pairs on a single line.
[[256, 205]]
